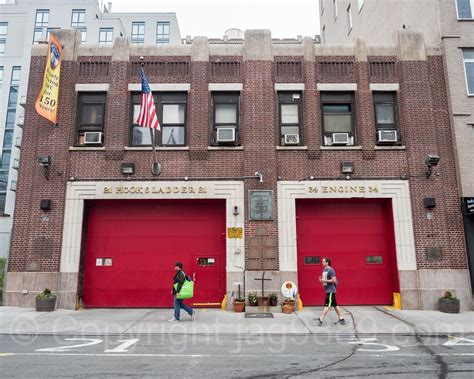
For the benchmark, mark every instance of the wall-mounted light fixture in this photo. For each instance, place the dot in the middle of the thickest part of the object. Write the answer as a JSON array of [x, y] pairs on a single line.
[[235, 212], [46, 162], [431, 161], [259, 176], [128, 169], [347, 168]]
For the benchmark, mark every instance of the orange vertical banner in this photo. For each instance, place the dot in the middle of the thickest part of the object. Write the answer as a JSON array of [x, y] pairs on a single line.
[[47, 101]]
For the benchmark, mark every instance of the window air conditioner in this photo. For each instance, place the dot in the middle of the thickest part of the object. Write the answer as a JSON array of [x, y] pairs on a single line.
[[92, 138], [387, 136], [225, 135], [291, 139], [340, 138]]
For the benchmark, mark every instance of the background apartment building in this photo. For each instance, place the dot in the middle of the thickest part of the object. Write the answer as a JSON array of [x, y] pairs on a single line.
[[448, 24], [24, 23]]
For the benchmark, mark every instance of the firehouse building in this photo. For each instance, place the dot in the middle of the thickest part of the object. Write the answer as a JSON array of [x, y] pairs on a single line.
[[274, 154]]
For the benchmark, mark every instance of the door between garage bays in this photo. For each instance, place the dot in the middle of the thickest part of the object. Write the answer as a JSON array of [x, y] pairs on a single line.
[[132, 246], [357, 235]]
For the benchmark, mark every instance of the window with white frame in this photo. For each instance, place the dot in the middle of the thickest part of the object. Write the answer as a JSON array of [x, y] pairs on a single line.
[[360, 4], [106, 36], [465, 9], [48, 32], [41, 25], [78, 22], [334, 7], [349, 19], [290, 118], [468, 57], [162, 33], [138, 33], [3, 36]]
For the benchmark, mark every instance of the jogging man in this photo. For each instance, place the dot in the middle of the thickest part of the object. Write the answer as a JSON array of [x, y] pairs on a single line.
[[179, 278], [329, 280]]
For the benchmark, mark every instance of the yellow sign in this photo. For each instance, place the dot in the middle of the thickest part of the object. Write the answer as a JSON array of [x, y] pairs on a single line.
[[234, 232], [47, 101]]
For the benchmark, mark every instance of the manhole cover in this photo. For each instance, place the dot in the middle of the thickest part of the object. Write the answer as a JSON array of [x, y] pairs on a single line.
[[258, 315]]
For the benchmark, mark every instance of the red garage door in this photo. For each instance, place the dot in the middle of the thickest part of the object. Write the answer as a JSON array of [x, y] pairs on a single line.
[[132, 246], [357, 235]]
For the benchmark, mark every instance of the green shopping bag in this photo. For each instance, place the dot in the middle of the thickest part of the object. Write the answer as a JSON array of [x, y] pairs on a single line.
[[187, 290]]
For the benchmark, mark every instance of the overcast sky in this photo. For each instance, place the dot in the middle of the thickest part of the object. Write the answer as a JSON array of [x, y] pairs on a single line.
[[211, 18]]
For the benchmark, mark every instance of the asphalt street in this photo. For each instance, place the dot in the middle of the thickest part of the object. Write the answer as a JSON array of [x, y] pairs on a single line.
[[265, 356]]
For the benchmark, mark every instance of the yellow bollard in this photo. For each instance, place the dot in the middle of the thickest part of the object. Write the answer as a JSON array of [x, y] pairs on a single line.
[[300, 303], [224, 303], [397, 303]]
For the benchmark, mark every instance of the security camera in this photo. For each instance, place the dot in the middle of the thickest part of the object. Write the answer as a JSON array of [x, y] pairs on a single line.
[[432, 160]]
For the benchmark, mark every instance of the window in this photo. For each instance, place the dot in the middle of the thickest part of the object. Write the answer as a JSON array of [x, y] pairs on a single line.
[[171, 109], [49, 30], [16, 73], [41, 25], [78, 17], [138, 33], [3, 36], [465, 9], [290, 114], [78, 21], [360, 4], [162, 33], [338, 118], [334, 7], [321, 7], [468, 56], [226, 118], [386, 117], [91, 114], [106, 36], [349, 19]]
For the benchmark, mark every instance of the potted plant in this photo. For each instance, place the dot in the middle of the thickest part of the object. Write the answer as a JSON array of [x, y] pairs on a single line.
[[273, 299], [46, 301], [288, 306], [239, 304], [449, 303], [253, 299]]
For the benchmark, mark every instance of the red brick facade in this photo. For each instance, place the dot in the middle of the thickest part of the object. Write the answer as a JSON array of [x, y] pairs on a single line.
[[423, 120]]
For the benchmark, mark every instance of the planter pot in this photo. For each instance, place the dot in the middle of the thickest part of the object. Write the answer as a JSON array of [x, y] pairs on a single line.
[[46, 305], [263, 301], [288, 308], [239, 307], [273, 302], [449, 305]]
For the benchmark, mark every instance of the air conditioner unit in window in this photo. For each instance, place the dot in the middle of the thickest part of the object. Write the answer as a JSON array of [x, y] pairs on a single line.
[[387, 136], [340, 138], [291, 139], [92, 138], [225, 135]]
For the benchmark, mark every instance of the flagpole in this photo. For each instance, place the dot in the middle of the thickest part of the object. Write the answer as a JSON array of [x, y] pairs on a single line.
[[156, 167]]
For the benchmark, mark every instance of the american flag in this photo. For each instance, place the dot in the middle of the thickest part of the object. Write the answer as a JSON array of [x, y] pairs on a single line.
[[147, 116]]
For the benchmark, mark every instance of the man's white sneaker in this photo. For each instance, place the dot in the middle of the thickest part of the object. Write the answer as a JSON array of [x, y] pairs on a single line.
[[173, 320]]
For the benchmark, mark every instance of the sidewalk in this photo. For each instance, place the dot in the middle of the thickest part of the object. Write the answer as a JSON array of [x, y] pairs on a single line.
[[360, 320]]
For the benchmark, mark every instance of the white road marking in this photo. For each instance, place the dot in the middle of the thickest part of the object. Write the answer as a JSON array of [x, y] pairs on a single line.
[[123, 348], [459, 341], [370, 341], [92, 341]]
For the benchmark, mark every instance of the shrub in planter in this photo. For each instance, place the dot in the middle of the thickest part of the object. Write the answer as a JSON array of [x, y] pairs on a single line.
[[253, 299], [288, 306], [449, 303], [239, 304], [263, 301], [46, 301], [273, 299]]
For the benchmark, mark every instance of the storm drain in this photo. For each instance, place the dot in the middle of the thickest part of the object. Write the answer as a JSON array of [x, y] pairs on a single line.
[[258, 315]]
